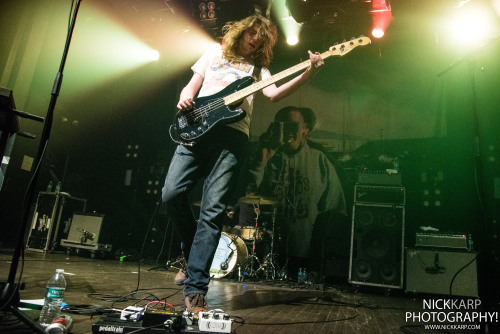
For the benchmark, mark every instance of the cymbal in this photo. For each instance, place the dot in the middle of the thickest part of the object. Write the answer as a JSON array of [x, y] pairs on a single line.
[[197, 203], [258, 200]]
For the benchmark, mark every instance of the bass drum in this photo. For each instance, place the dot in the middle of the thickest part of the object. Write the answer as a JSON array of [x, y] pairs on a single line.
[[231, 252]]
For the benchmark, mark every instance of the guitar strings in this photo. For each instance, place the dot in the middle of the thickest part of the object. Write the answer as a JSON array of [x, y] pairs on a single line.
[[203, 110]]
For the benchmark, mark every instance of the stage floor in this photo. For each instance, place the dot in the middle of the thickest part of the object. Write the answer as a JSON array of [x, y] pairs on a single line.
[[255, 306]]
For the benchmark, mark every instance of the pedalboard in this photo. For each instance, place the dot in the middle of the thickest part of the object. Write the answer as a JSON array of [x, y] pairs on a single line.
[[160, 321]]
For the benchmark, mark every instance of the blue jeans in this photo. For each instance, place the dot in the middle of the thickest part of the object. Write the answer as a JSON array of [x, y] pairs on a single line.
[[217, 160]]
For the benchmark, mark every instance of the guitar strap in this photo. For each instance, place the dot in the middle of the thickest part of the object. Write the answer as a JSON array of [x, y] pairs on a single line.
[[256, 72]]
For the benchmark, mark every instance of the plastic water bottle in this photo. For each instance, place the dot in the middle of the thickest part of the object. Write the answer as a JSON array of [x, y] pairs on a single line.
[[58, 187], [300, 276], [54, 294], [49, 187]]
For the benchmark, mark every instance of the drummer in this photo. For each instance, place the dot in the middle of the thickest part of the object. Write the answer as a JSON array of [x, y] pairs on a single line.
[[246, 212]]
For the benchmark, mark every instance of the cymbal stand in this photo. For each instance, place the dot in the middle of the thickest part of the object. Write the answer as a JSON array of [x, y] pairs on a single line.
[[268, 262], [271, 254], [253, 257]]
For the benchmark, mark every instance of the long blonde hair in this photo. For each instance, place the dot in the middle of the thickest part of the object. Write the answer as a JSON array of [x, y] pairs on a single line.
[[267, 32]]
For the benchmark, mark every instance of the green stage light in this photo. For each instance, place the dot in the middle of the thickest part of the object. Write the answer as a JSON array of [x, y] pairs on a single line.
[[291, 29]]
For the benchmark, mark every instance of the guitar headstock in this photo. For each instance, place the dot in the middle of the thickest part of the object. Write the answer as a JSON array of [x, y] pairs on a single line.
[[346, 47]]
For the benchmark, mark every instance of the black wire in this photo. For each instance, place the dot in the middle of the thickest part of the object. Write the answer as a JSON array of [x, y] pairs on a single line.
[[164, 240], [85, 309], [12, 325], [459, 270], [125, 299], [143, 245]]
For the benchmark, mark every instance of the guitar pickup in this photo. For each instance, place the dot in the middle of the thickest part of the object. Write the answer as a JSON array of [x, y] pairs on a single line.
[[182, 122]]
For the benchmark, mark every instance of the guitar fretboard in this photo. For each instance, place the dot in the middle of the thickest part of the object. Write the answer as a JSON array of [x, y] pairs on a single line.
[[338, 50]]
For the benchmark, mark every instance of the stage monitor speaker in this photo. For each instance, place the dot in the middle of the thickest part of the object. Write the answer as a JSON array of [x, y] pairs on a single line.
[[441, 272], [377, 245]]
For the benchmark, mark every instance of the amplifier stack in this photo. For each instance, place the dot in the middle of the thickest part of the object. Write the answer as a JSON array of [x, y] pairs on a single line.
[[377, 242], [442, 263]]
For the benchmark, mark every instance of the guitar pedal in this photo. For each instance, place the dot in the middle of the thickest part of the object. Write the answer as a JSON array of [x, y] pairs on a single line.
[[214, 322]]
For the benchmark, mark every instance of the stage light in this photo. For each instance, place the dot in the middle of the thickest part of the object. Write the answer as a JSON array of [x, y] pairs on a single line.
[[154, 55], [103, 49], [381, 14], [469, 26], [107, 53], [378, 33], [287, 23], [292, 40], [108, 46]]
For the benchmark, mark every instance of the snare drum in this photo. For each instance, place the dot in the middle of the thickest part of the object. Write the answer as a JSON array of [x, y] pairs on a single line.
[[248, 233], [231, 252]]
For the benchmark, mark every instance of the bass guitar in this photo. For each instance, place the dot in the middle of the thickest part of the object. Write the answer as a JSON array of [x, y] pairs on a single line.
[[221, 108]]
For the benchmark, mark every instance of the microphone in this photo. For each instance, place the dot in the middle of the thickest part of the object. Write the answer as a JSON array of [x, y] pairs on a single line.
[[86, 235], [89, 235], [224, 265]]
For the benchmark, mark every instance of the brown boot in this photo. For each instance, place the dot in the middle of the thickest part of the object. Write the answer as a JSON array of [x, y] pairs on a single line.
[[196, 303]]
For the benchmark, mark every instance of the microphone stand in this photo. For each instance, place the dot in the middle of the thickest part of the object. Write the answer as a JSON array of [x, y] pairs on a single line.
[[9, 296], [484, 280]]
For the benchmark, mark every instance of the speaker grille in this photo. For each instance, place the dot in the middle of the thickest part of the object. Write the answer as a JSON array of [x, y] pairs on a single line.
[[377, 247]]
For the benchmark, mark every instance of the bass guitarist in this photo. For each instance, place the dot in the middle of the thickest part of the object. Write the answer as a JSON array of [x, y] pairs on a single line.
[[246, 50]]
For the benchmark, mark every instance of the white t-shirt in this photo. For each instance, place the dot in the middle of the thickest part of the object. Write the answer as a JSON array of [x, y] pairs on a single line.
[[218, 73]]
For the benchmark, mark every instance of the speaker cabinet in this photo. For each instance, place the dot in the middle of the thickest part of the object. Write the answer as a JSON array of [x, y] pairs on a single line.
[[441, 272], [86, 233], [377, 245]]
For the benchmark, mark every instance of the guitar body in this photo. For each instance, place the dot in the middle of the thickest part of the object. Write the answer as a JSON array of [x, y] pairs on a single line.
[[210, 112]]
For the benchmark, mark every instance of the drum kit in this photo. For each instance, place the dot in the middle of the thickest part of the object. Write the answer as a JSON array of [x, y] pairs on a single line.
[[238, 246]]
